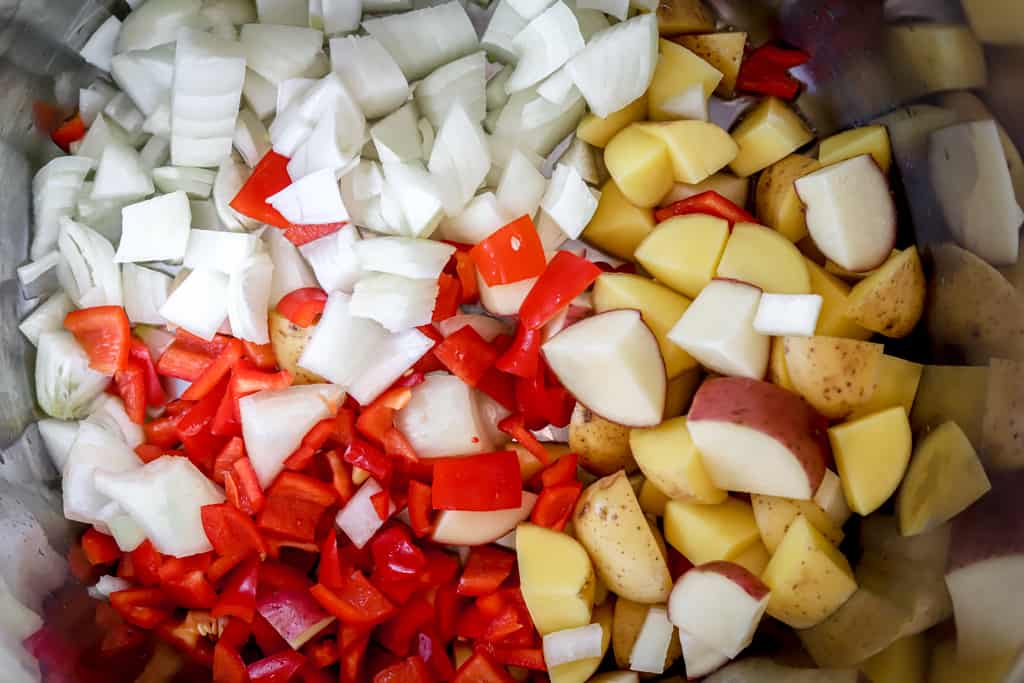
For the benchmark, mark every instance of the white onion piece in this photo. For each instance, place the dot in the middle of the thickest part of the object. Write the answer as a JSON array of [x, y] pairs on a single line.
[[120, 175], [93, 99], [558, 88], [616, 8], [156, 151], [285, 12], [569, 201], [495, 92], [291, 271], [591, 21], [386, 6], [55, 190], [145, 291], [530, 9], [359, 520], [199, 303], [522, 187], [311, 200], [159, 122], [102, 134], [291, 91], [280, 52], [422, 40], [341, 344], [124, 113], [505, 24], [333, 259], [47, 317], [65, 384], [109, 412], [87, 270], [39, 278], [394, 356], [371, 74], [463, 81], [195, 182], [146, 75], [219, 22], [274, 423], [397, 136], [417, 197], [58, 437], [156, 229], [545, 44], [551, 236], [405, 256], [580, 156], [482, 216], [572, 645], [361, 190], [106, 585], [617, 64], [398, 303], [96, 449], [553, 122], [341, 16], [231, 176], [249, 298], [156, 22], [484, 325], [238, 12], [219, 250], [296, 120], [156, 339], [504, 299], [252, 140], [259, 94], [333, 144], [165, 497], [460, 159], [492, 413], [652, 643], [503, 149], [442, 419]]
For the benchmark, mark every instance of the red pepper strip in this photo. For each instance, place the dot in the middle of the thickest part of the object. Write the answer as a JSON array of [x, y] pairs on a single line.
[[448, 607], [555, 505], [268, 178], [358, 602], [472, 623], [277, 668], [211, 347], [782, 57], [162, 432], [420, 508], [515, 426], [499, 386], [221, 567], [432, 651], [490, 481], [766, 71], [105, 334], [228, 665], [352, 643], [194, 427], [139, 352], [395, 443], [238, 596], [99, 548], [177, 407], [248, 379], [304, 234], [565, 278], [481, 669], [366, 456], [522, 358], [525, 657], [216, 371], [710, 203], [183, 363], [276, 576], [242, 487], [381, 502], [146, 562], [782, 86], [563, 471], [191, 591], [486, 569], [261, 355], [267, 639], [131, 387], [542, 403], [142, 607], [184, 636], [294, 505], [232, 451], [330, 573], [303, 306], [70, 131], [397, 633], [394, 550], [177, 567], [341, 477], [411, 670], [465, 270], [322, 653], [466, 355], [449, 294], [226, 421], [510, 254], [231, 533]]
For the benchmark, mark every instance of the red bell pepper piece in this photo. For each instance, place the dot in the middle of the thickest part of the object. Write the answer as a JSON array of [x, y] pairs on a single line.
[[358, 602], [447, 608], [138, 351], [352, 644], [449, 295], [486, 569], [303, 306], [365, 455], [248, 379], [261, 355], [104, 333], [522, 359], [562, 471], [510, 254], [267, 639], [70, 131], [146, 562], [277, 576], [131, 387], [395, 443], [466, 354], [233, 450], [238, 596], [490, 481], [341, 477], [322, 653], [481, 669], [330, 573], [465, 270], [192, 590], [277, 668], [226, 421], [411, 670], [142, 607], [392, 549], [228, 665], [515, 426], [215, 372], [294, 505], [432, 651], [268, 178], [99, 548], [710, 203], [420, 508], [766, 71], [499, 386], [304, 234], [524, 657], [221, 567], [162, 432], [565, 278], [397, 633], [555, 505], [211, 347], [542, 401], [243, 487], [177, 567], [231, 533], [182, 362], [194, 427]]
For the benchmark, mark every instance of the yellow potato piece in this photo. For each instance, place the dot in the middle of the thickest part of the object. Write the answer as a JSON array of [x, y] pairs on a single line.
[[833, 321], [754, 559], [905, 661], [581, 670], [668, 458], [556, 578], [808, 576], [834, 375], [763, 257], [289, 341], [769, 133], [629, 619], [680, 392], [890, 300], [871, 453], [775, 515], [897, 386], [935, 57], [778, 205], [706, 533], [602, 446], [853, 275], [652, 499], [724, 51], [873, 140], [726, 184], [678, 68], [944, 477], [599, 131], [660, 307], [698, 149], [640, 165], [618, 226], [778, 373], [529, 465], [684, 252], [951, 392], [684, 16]]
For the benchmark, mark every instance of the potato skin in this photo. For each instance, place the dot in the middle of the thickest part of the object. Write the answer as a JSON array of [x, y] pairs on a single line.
[[603, 446], [289, 341], [629, 619], [835, 375], [891, 300]]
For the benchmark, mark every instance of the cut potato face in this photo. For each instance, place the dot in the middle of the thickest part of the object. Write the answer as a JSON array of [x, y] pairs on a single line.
[[778, 373], [863, 626], [778, 205], [707, 533], [775, 515], [602, 446], [618, 226], [726, 184], [582, 670], [834, 375], [684, 252], [873, 140], [898, 380], [833, 320], [951, 393], [678, 69], [872, 455], [724, 51], [935, 58], [556, 578], [684, 16], [640, 165], [668, 457], [770, 132], [289, 341], [765, 259], [697, 149], [599, 131]]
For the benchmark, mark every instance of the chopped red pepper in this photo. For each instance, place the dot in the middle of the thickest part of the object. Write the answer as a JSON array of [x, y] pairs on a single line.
[[394, 550], [231, 533], [238, 596], [397, 633], [104, 333], [277, 576], [233, 450], [242, 487], [543, 402], [139, 352], [99, 548], [523, 357], [181, 362], [280, 667], [489, 481], [395, 443], [562, 471], [411, 670], [366, 456], [70, 131], [465, 270], [341, 476], [466, 354], [192, 590], [131, 387], [194, 429], [515, 426], [215, 372], [555, 505], [294, 505], [304, 234], [710, 203], [525, 657], [352, 643], [330, 573], [177, 567], [510, 254], [432, 651], [162, 432], [268, 178], [211, 347], [303, 306], [358, 602], [146, 561], [228, 665], [261, 355], [322, 653], [499, 386], [565, 278], [481, 669], [248, 379], [420, 508], [487, 567], [142, 607], [449, 294], [765, 71]]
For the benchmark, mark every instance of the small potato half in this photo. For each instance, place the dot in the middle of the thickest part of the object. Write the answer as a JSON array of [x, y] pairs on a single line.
[[289, 341], [603, 446], [833, 374], [890, 301]]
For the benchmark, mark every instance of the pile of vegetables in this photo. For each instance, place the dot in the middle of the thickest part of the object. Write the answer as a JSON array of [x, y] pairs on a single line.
[[326, 314]]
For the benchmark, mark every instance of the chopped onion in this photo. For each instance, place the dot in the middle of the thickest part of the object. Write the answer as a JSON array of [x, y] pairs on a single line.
[[291, 271], [109, 412], [47, 317], [341, 344], [617, 64], [199, 304], [558, 88], [340, 16], [482, 216], [569, 201], [102, 134], [530, 9], [297, 118], [238, 12], [538, 111], [442, 419], [259, 94], [496, 94], [204, 214], [106, 585], [417, 197], [311, 200], [55, 190], [249, 298], [582, 157], [460, 158], [398, 303], [463, 81], [124, 113], [231, 176], [521, 187], [195, 182], [361, 190], [87, 270], [545, 44], [219, 250], [405, 256], [39, 278], [359, 519], [551, 236], [503, 149], [277, 52], [370, 73], [121, 175], [553, 122], [274, 423], [156, 152], [284, 12], [165, 497], [145, 291], [252, 141], [156, 339], [652, 643], [334, 259], [394, 356], [96, 448], [427, 136], [58, 437], [156, 229], [591, 21], [65, 384], [219, 21], [505, 24], [504, 299], [383, 6], [573, 644], [491, 414], [93, 99], [159, 123], [156, 22], [422, 40], [486, 326], [397, 136], [146, 75], [333, 144]]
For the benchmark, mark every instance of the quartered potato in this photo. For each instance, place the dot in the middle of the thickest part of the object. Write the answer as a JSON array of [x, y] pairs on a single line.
[[684, 16], [835, 375], [289, 341], [629, 619], [724, 51], [890, 301], [777, 203], [603, 446]]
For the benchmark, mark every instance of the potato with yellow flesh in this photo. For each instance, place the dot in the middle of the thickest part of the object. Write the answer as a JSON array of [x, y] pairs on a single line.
[[905, 661], [871, 453], [833, 321], [667, 457], [754, 559], [944, 477], [618, 226], [778, 373], [706, 533], [529, 465], [897, 386], [680, 392], [724, 51], [684, 252], [852, 275], [951, 392], [834, 375], [602, 446], [698, 149], [726, 184], [581, 670], [629, 619], [659, 306], [677, 70], [890, 300], [640, 165], [612, 527], [935, 57], [684, 16], [769, 133], [556, 578], [777, 203], [775, 515], [598, 131], [652, 499], [873, 140], [808, 576], [764, 258], [289, 341]]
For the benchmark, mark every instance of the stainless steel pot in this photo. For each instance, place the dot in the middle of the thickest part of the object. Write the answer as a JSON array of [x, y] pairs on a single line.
[[851, 80]]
